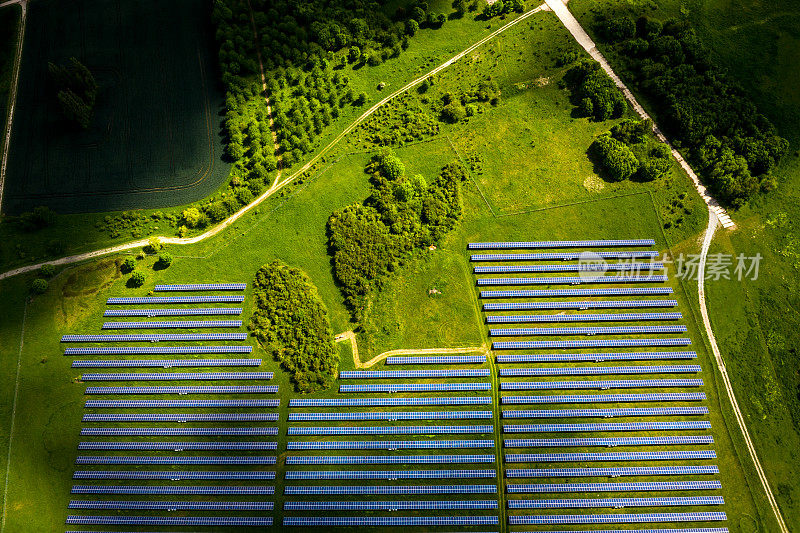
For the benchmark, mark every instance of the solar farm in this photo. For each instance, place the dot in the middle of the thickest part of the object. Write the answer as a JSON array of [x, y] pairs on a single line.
[[530, 436]]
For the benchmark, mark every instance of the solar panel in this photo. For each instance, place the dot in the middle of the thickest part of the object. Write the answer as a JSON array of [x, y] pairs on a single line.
[[308, 521], [436, 360], [388, 430], [614, 518], [612, 471], [612, 330], [389, 415], [174, 300], [167, 521], [605, 398], [175, 460], [156, 337], [388, 444], [384, 505], [599, 370], [386, 459], [416, 387], [174, 475], [187, 311], [171, 506], [616, 502], [582, 317], [681, 530], [558, 244], [607, 413], [595, 304], [177, 376], [612, 456], [570, 280], [216, 389], [201, 287], [559, 293], [164, 363], [171, 489], [609, 441], [580, 267], [613, 487], [604, 343], [297, 490], [419, 374], [174, 446], [188, 324], [134, 350], [592, 357], [180, 403], [565, 256], [388, 402], [142, 432], [612, 426], [182, 417], [612, 384], [389, 474]]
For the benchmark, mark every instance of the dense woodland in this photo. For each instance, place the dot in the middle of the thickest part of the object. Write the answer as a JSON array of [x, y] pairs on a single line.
[[629, 151], [709, 116], [290, 320], [404, 213]]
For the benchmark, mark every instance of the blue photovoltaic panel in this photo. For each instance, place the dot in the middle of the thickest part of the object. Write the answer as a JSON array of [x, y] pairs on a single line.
[[607, 413], [558, 244], [614, 518], [175, 460], [297, 490], [309, 521], [134, 432], [214, 389], [610, 456], [182, 417], [188, 311], [158, 489], [612, 384], [616, 502], [592, 357], [612, 471], [388, 430], [681, 530], [580, 267], [599, 370], [166, 521], [389, 444], [596, 304], [178, 446], [582, 317], [388, 402], [134, 350], [612, 426], [600, 343], [156, 337], [565, 256], [415, 374], [173, 475], [164, 363], [386, 459], [611, 330], [177, 376], [613, 487], [436, 360], [570, 280], [201, 287], [389, 474], [558, 293], [389, 415], [609, 441], [175, 300], [417, 387], [188, 324], [180, 403], [171, 506], [605, 398], [384, 505]]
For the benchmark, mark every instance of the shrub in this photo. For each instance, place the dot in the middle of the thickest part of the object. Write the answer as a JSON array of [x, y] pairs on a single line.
[[48, 270], [164, 260], [192, 217], [454, 112], [153, 245], [618, 161], [39, 286], [136, 280], [128, 265]]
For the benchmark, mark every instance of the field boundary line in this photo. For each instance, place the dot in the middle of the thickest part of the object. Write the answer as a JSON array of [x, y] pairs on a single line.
[[12, 97], [13, 417]]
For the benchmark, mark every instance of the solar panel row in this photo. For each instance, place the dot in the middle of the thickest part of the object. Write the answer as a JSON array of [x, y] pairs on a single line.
[[297, 490], [176, 460], [390, 415], [386, 459], [616, 502], [173, 475], [559, 244], [188, 311], [605, 398], [188, 324], [182, 417], [173, 300], [593, 357], [178, 446], [613, 487], [612, 471], [156, 337], [164, 363], [171, 506], [388, 444], [609, 441], [201, 287], [134, 350], [582, 317], [570, 280], [179, 403], [613, 456], [388, 402], [600, 343], [216, 389], [147, 432], [599, 370], [170, 489], [611, 330], [560, 293], [389, 474], [611, 384], [607, 413], [177, 376], [386, 374], [612, 426], [416, 387], [436, 360], [615, 518], [166, 521], [649, 266], [389, 430], [389, 505], [563, 256], [308, 521], [597, 304]]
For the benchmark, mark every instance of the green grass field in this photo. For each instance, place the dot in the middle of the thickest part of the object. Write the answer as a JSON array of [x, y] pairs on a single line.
[[9, 29]]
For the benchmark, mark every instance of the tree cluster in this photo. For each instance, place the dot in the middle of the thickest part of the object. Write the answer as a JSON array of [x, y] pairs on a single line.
[[403, 213], [502, 7], [291, 322], [629, 151], [75, 89], [594, 91], [732, 146]]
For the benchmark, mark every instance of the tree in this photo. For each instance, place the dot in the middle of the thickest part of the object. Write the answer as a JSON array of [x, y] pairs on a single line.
[[354, 54], [136, 280], [48, 270], [361, 99], [129, 265], [617, 159], [454, 112], [390, 165], [41, 217], [619, 28], [192, 217], [153, 245], [412, 27], [164, 260], [39, 286], [461, 7]]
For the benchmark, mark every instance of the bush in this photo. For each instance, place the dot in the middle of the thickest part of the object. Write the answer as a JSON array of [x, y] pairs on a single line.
[[164, 260], [618, 161], [153, 245], [48, 270], [454, 112], [39, 286], [129, 265], [41, 217], [589, 82], [192, 217], [136, 280]]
